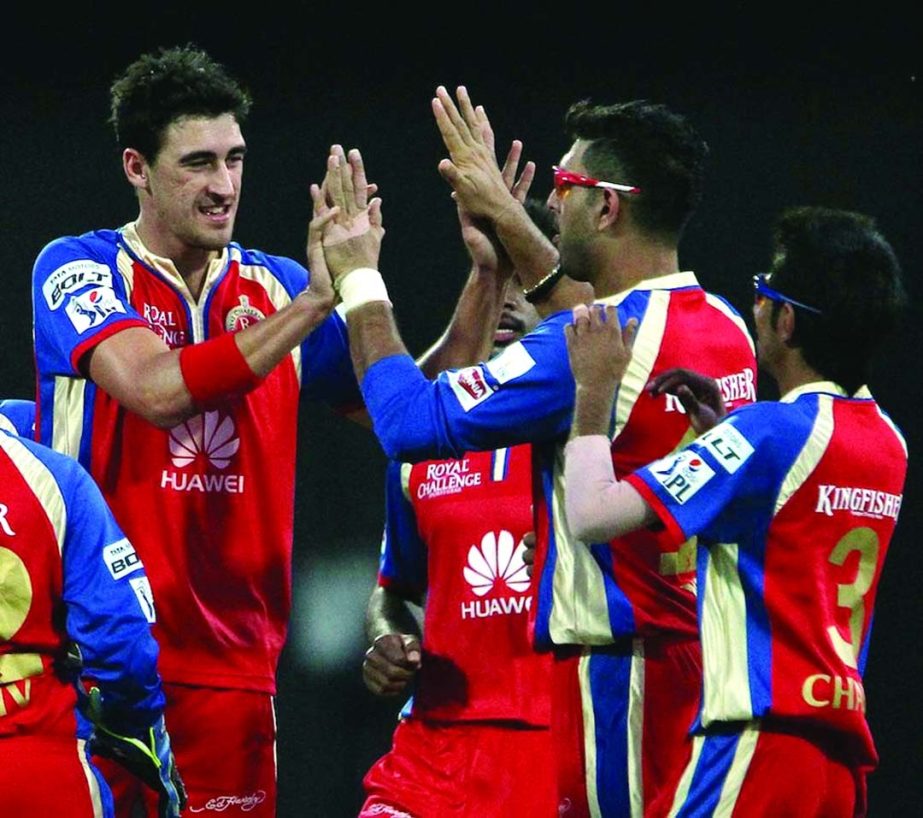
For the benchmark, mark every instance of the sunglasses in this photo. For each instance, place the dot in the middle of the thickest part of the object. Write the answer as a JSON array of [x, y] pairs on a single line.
[[564, 180], [761, 289]]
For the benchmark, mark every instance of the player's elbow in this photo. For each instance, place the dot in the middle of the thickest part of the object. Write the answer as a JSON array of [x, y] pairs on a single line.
[[163, 409]]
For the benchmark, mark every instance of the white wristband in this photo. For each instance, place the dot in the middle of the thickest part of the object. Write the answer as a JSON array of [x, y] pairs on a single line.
[[360, 286]]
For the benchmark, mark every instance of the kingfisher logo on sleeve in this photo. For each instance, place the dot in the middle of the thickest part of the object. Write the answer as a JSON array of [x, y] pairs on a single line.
[[682, 474]]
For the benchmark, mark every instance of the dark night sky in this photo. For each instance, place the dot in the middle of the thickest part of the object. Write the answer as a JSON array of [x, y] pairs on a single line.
[[796, 111]]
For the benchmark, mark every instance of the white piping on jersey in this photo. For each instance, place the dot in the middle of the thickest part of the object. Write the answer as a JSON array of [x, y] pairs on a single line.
[[635, 736], [811, 453], [821, 387], [500, 457], [7, 425], [723, 632], [671, 281], [406, 468], [92, 782], [67, 415], [733, 781], [43, 484], [589, 733]]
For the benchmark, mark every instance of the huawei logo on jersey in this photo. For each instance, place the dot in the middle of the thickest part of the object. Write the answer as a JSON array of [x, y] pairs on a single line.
[[209, 436], [497, 560]]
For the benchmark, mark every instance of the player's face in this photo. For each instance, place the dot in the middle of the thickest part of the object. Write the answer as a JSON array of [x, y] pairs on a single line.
[[518, 317], [194, 184], [572, 208]]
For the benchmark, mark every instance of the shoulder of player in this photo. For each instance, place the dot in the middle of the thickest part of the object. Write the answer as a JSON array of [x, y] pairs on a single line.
[[66, 471], [286, 269], [98, 245]]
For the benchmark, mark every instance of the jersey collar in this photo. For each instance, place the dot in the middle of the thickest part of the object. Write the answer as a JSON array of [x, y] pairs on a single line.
[[165, 266], [827, 388], [671, 281]]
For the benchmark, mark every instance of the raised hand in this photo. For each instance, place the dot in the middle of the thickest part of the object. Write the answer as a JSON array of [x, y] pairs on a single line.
[[481, 188], [599, 349], [483, 246], [352, 237], [700, 396], [391, 663]]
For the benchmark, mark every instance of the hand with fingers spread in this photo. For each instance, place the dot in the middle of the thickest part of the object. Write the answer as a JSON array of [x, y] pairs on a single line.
[[320, 287], [391, 663], [352, 236], [599, 349], [481, 188], [700, 396], [484, 248]]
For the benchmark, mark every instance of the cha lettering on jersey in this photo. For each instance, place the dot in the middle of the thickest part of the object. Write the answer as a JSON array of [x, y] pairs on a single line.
[[863, 502], [164, 323], [736, 389], [494, 566], [451, 477], [822, 690]]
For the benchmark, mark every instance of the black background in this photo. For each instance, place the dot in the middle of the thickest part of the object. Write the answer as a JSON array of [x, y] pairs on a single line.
[[796, 110]]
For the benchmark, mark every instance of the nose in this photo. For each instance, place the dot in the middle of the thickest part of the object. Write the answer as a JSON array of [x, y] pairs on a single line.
[[553, 201], [223, 181]]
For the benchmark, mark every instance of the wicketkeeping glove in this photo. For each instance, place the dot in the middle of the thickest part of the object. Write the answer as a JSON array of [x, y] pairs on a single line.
[[147, 756]]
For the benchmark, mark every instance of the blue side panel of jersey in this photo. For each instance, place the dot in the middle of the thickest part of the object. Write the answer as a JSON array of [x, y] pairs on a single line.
[[403, 552]]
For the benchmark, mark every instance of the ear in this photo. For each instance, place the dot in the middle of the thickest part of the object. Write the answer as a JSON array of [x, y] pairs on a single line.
[[136, 168], [785, 326], [610, 210]]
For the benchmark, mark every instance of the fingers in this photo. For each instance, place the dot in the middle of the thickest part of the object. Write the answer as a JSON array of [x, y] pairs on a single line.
[[472, 120], [521, 189], [487, 131], [359, 182], [629, 333], [375, 213], [391, 663], [455, 131], [511, 165]]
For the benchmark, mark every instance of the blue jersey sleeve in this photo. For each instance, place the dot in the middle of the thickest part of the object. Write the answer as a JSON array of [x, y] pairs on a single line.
[[403, 565], [326, 367], [525, 394], [109, 606], [724, 484], [20, 417], [78, 300]]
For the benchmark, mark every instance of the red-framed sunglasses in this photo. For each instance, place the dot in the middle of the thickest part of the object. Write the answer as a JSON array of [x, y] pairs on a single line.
[[566, 179]]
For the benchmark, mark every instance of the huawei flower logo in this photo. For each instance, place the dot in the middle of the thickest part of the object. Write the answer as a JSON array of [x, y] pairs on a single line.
[[497, 558], [207, 434]]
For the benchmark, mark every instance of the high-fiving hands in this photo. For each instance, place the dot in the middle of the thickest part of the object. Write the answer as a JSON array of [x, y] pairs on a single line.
[[350, 223]]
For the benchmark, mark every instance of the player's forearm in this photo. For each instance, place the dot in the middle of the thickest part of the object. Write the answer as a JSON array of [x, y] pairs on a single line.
[[388, 613], [598, 506], [593, 406], [468, 338], [373, 335], [265, 344]]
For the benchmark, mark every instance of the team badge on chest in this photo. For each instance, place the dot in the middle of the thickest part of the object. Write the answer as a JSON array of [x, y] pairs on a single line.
[[242, 316]]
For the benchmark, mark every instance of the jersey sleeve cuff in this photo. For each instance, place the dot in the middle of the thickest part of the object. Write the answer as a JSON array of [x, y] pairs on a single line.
[[674, 530]]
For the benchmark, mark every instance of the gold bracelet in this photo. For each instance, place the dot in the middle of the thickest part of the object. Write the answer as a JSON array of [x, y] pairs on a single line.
[[545, 286]]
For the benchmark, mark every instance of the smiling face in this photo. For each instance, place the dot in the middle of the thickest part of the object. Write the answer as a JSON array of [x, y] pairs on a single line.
[[518, 317], [190, 192]]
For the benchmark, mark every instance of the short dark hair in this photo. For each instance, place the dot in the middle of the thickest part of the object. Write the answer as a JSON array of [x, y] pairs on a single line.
[[161, 87], [839, 262], [647, 145]]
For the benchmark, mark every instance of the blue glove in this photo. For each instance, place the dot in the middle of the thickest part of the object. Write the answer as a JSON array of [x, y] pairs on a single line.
[[147, 756]]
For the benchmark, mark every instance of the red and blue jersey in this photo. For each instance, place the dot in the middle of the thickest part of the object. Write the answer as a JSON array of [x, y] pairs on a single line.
[[67, 573], [453, 533], [796, 502], [208, 504], [597, 594]]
